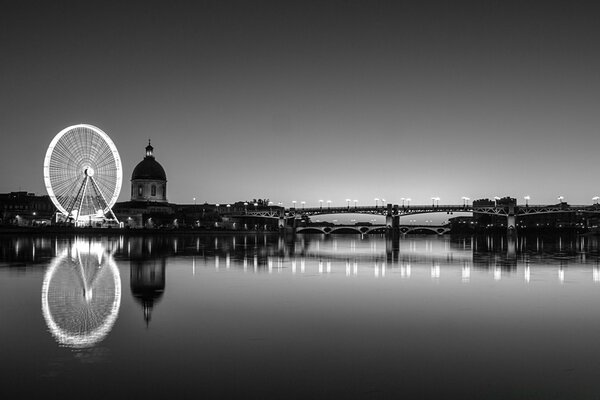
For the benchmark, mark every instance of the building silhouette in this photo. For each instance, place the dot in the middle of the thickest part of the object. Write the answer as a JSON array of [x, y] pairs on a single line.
[[149, 180]]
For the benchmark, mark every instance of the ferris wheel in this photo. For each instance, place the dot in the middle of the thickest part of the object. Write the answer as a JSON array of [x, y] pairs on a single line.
[[83, 173], [81, 294]]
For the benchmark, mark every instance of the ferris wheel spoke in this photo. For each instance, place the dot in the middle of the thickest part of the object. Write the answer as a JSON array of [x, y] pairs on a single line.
[[106, 185], [67, 197]]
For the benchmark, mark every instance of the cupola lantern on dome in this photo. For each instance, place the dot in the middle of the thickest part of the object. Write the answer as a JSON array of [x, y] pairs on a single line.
[[149, 150], [149, 180]]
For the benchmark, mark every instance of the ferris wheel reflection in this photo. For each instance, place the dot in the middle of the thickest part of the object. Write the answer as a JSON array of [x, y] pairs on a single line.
[[81, 294]]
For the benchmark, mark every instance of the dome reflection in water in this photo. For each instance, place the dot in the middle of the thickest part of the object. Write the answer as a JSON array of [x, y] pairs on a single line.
[[81, 294]]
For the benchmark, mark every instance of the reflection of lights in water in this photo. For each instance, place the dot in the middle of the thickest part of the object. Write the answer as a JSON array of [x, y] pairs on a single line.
[[320, 266], [497, 273], [217, 262], [347, 268], [216, 243], [270, 264], [294, 266], [405, 271], [561, 274], [435, 271], [175, 246], [596, 274], [466, 273], [376, 270], [227, 261], [302, 265], [245, 264], [355, 268], [328, 267], [194, 266], [81, 295], [383, 266], [527, 274], [279, 264], [255, 263]]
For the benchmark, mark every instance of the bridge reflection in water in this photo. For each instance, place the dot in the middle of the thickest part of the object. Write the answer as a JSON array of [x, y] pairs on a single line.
[[372, 255]]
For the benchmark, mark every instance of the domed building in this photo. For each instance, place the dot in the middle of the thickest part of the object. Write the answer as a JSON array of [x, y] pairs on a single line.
[[149, 180]]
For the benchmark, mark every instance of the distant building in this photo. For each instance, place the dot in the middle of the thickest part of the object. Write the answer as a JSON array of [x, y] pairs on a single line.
[[25, 209], [149, 180], [148, 207]]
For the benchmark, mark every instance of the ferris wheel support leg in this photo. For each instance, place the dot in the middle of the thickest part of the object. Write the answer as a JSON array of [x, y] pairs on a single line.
[[74, 201], [82, 196], [103, 199]]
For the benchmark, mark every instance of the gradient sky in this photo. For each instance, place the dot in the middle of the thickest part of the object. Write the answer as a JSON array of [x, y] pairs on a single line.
[[312, 100]]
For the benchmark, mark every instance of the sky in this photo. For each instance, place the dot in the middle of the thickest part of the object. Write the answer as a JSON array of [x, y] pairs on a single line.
[[310, 101]]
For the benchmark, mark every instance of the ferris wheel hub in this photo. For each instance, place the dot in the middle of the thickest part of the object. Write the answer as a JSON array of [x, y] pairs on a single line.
[[89, 171]]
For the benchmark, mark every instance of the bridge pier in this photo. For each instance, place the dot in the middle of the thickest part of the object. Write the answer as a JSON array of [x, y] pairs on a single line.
[[511, 219], [392, 220]]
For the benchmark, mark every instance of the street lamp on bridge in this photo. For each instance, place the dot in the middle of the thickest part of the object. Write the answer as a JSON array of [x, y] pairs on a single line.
[[355, 201], [465, 201], [303, 203], [348, 203], [496, 198], [321, 204], [376, 202], [560, 199], [408, 202], [434, 200], [294, 203], [328, 204], [527, 198], [595, 199], [402, 199]]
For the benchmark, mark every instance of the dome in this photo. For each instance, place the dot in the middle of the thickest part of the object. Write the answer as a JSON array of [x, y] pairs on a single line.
[[149, 168]]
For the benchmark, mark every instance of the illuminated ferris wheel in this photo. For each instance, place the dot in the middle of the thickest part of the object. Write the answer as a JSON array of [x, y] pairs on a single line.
[[83, 174]]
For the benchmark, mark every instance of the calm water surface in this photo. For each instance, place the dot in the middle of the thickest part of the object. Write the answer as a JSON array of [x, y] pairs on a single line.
[[307, 317]]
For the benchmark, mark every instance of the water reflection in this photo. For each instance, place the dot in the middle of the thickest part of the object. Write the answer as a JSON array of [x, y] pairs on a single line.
[[81, 294], [147, 281]]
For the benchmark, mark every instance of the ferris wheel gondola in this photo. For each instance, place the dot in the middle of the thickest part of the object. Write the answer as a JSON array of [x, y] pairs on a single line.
[[83, 174]]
